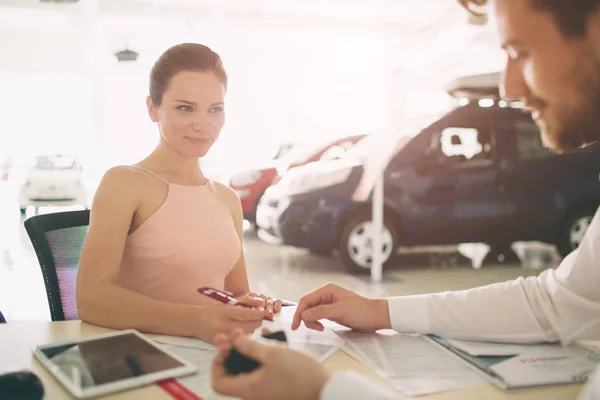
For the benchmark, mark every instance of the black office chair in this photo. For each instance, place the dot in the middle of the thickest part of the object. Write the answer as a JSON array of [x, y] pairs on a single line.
[[57, 239]]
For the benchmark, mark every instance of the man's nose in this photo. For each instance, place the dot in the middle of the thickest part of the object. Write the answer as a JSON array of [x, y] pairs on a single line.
[[512, 82]]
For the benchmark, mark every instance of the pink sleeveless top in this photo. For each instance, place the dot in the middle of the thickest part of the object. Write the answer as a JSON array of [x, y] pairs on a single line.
[[189, 242]]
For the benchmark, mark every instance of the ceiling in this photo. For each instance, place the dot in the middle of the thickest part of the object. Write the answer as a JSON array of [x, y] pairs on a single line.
[[412, 25], [400, 16]]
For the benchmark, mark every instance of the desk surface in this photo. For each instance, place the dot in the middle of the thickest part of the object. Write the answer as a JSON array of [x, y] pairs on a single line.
[[17, 340]]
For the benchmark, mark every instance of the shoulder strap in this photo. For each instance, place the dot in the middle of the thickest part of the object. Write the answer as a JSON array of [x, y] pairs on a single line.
[[152, 173]]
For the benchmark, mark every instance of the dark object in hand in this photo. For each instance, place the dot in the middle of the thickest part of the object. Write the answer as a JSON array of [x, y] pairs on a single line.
[[237, 363]]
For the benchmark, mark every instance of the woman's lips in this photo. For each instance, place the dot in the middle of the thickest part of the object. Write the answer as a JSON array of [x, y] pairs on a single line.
[[195, 140]]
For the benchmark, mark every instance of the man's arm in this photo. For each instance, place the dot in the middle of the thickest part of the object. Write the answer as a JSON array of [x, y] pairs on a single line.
[[561, 304]]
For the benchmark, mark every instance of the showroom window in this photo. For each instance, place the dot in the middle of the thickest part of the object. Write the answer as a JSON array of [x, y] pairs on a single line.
[[529, 141]]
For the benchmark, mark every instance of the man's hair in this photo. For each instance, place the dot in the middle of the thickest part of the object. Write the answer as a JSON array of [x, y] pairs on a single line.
[[571, 16]]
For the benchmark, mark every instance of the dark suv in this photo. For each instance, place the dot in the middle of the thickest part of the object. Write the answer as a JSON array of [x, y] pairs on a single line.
[[478, 174]]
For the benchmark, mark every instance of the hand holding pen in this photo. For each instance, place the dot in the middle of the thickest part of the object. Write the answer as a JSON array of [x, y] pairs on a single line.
[[251, 300]]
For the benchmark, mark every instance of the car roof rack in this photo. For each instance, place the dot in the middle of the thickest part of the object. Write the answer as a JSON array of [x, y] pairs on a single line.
[[476, 87]]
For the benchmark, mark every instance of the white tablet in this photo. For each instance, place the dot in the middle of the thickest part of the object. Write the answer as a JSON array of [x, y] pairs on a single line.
[[99, 365]]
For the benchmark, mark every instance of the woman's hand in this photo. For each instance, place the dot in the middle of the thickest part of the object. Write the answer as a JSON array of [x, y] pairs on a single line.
[[224, 318], [272, 306]]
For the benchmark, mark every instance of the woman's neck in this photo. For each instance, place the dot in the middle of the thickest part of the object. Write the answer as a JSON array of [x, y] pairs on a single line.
[[185, 169]]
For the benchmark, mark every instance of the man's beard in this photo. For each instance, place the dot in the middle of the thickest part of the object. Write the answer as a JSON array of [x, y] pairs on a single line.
[[576, 124]]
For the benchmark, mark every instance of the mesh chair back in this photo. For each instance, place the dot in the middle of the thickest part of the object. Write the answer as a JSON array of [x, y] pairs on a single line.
[[57, 239]]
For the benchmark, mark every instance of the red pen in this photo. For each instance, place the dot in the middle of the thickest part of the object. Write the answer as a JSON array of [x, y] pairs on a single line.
[[223, 297]]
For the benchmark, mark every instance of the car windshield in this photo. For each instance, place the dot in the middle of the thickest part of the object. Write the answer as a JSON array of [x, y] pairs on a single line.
[[376, 144], [302, 151], [55, 162]]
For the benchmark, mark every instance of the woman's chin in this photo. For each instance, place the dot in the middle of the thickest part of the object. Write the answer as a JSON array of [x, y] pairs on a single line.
[[198, 153]]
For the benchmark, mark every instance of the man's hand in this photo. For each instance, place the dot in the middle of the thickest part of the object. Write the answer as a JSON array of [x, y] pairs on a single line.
[[343, 306], [284, 373]]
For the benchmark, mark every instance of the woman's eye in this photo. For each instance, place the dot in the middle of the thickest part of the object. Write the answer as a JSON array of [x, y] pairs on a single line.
[[216, 109], [185, 108]]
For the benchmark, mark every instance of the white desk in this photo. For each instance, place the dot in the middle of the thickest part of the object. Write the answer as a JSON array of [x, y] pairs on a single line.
[[17, 340]]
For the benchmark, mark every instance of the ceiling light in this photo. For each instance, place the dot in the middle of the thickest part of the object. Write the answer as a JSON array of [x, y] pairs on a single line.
[[126, 55]]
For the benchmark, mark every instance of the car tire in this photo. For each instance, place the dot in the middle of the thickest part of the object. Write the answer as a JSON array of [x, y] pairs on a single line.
[[355, 248], [573, 229]]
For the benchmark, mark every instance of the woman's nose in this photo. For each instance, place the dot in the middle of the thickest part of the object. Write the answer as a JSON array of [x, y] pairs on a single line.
[[200, 122]]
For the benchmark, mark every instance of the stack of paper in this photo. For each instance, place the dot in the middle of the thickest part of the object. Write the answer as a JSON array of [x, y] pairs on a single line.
[[319, 344], [512, 366], [182, 342], [474, 348], [414, 364]]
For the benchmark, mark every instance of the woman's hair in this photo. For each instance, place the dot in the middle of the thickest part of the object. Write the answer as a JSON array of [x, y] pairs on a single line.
[[571, 16], [183, 57]]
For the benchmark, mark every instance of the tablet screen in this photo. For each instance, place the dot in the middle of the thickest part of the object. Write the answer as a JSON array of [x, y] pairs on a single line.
[[106, 360]]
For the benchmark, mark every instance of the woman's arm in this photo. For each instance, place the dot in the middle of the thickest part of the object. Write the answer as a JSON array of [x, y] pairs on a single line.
[[237, 280], [102, 302], [99, 299]]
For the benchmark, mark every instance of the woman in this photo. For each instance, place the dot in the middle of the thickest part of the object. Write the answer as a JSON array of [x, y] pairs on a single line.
[[160, 229]]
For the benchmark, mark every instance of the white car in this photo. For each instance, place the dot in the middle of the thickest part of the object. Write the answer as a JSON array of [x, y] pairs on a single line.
[[53, 180]]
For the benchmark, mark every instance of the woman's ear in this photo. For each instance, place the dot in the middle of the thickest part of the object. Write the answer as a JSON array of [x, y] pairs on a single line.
[[152, 111]]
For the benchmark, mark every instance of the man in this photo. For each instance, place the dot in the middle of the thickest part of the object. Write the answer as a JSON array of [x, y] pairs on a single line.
[[553, 66]]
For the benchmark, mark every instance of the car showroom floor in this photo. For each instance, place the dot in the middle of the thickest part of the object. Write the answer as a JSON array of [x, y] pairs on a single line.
[[277, 271]]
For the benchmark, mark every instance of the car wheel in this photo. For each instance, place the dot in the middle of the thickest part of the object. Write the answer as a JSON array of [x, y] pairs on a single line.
[[356, 248], [573, 231]]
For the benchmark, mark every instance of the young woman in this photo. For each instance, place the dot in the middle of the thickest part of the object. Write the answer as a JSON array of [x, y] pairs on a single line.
[[160, 229]]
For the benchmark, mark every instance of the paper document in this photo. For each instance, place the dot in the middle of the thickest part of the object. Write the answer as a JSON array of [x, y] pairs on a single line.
[[200, 382], [286, 316], [414, 364], [538, 367], [487, 348], [420, 367], [366, 349], [182, 341], [319, 344]]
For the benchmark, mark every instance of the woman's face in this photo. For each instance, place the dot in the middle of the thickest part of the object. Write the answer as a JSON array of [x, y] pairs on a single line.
[[192, 112]]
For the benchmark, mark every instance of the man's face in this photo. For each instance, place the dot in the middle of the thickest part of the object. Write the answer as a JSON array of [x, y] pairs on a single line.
[[556, 76]]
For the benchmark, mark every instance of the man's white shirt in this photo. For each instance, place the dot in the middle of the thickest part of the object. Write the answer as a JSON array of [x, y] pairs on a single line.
[[560, 304]]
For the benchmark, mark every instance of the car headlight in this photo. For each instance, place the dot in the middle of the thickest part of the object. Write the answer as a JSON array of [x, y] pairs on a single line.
[[305, 181], [245, 178]]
